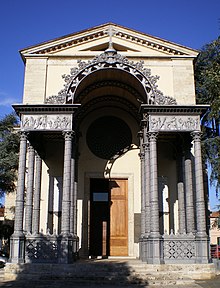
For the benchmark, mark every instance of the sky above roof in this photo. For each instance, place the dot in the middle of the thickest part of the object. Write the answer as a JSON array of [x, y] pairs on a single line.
[[25, 23]]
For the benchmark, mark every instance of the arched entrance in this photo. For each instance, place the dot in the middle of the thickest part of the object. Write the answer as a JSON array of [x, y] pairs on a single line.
[[109, 192]]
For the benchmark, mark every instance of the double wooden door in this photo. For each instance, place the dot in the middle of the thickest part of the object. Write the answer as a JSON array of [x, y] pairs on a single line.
[[108, 217]]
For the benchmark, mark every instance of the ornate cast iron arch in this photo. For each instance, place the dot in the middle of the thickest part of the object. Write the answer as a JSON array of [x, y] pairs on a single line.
[[108, 60]]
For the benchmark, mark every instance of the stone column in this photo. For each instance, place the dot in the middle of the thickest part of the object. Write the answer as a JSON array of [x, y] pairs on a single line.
[[200, 200], [190, 216], [141, 155], [37, 196], [65, 224], [72, 196], [141, 240], [147, 188], [67, 241], [75, 209], [155, 249], [17, 239], [30, 187], [154, 199], [202, 251], [180, 191]]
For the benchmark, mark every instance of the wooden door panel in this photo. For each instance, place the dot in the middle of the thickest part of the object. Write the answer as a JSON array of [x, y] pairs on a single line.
[[119, 218]]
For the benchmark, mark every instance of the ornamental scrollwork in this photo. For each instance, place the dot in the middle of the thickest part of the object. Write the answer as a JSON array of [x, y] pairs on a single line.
[[111, 60], [46, 122], [174, 123]]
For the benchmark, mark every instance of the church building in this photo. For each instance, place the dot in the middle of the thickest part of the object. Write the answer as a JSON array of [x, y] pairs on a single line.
[[110, 151]]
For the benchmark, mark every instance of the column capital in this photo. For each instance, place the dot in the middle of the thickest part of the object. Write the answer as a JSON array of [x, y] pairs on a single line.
[[140, 134], [146, 146], [68, 134], [152, 136], [23, 135], [141, 155], [30, 147], [196, 135]]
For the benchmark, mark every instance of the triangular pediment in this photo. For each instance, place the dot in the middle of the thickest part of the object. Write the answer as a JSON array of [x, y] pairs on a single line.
[[96, 40]]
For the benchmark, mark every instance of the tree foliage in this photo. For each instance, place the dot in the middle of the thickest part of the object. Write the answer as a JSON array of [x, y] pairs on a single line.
[[9, 149], [207, 76]]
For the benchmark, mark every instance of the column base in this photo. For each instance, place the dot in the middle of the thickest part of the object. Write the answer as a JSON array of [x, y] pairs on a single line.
[[202, 249], [144, 251], [17, 249], [68, 249], [152, 250]]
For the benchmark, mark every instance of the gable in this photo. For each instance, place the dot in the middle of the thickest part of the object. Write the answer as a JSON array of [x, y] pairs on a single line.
[[96, 40]]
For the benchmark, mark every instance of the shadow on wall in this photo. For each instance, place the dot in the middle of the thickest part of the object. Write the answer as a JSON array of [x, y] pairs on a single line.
[[82, 273]]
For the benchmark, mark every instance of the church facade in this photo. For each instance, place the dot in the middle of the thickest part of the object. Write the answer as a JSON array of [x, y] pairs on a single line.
[[110, 151]]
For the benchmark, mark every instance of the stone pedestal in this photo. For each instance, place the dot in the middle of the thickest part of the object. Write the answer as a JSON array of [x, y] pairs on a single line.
[[68, 251], [155, 250], [202, 250], [17, 249]]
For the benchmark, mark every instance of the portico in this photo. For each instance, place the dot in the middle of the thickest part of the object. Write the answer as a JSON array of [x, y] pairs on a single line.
[[109, 165]]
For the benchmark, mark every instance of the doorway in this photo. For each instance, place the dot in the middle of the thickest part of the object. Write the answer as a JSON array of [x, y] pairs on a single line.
[[108, 217]]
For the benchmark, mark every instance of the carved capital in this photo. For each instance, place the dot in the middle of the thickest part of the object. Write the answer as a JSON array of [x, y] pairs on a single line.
[[196, 135], [23, 135], [140, 134], [68, 135], [141, 155], [146, 147], [152, 136]]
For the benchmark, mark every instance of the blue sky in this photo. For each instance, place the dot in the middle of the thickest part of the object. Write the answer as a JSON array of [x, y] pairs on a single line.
[[23, 23]]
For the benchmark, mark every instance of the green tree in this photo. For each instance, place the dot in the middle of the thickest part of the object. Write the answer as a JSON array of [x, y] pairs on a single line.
[[9, 149], [207, 76]]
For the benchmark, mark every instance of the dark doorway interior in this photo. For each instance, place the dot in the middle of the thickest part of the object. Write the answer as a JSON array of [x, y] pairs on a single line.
[[99, 217]]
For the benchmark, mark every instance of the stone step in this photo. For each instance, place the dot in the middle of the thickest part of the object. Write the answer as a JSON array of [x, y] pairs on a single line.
[[110, 272]]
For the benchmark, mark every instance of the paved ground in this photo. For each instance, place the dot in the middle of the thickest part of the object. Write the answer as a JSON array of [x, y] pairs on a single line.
[[214, 283]]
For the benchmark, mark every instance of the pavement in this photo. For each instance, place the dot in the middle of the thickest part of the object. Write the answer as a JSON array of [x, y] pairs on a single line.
[[68, 283]]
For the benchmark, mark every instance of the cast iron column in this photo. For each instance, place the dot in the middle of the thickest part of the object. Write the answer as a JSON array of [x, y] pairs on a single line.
[[30, 187], [154, 199], [17, 239], [147, 188], [155, 250], [37, 196], [190, 216], [202, 251], [141, 155], [200, 201], [72, 196], [19, 207], [65, 224]]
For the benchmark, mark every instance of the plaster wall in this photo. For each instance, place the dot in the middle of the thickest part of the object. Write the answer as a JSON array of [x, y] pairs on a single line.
[[43, 77], [35, 80]]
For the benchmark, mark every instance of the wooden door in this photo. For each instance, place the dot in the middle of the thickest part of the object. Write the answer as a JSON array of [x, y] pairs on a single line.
[[119, 217], [108, 217]]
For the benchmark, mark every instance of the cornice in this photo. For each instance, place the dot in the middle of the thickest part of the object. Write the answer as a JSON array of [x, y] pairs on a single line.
[[45, 108], [130, 35], [174, 109]]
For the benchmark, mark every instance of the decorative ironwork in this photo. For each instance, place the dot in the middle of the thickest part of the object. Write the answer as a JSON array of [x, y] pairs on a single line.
[[49, 248], [111, 60], [42, 249], [179, 247]]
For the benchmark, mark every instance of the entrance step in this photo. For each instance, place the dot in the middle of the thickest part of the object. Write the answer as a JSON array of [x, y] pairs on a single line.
[[111, 272]]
